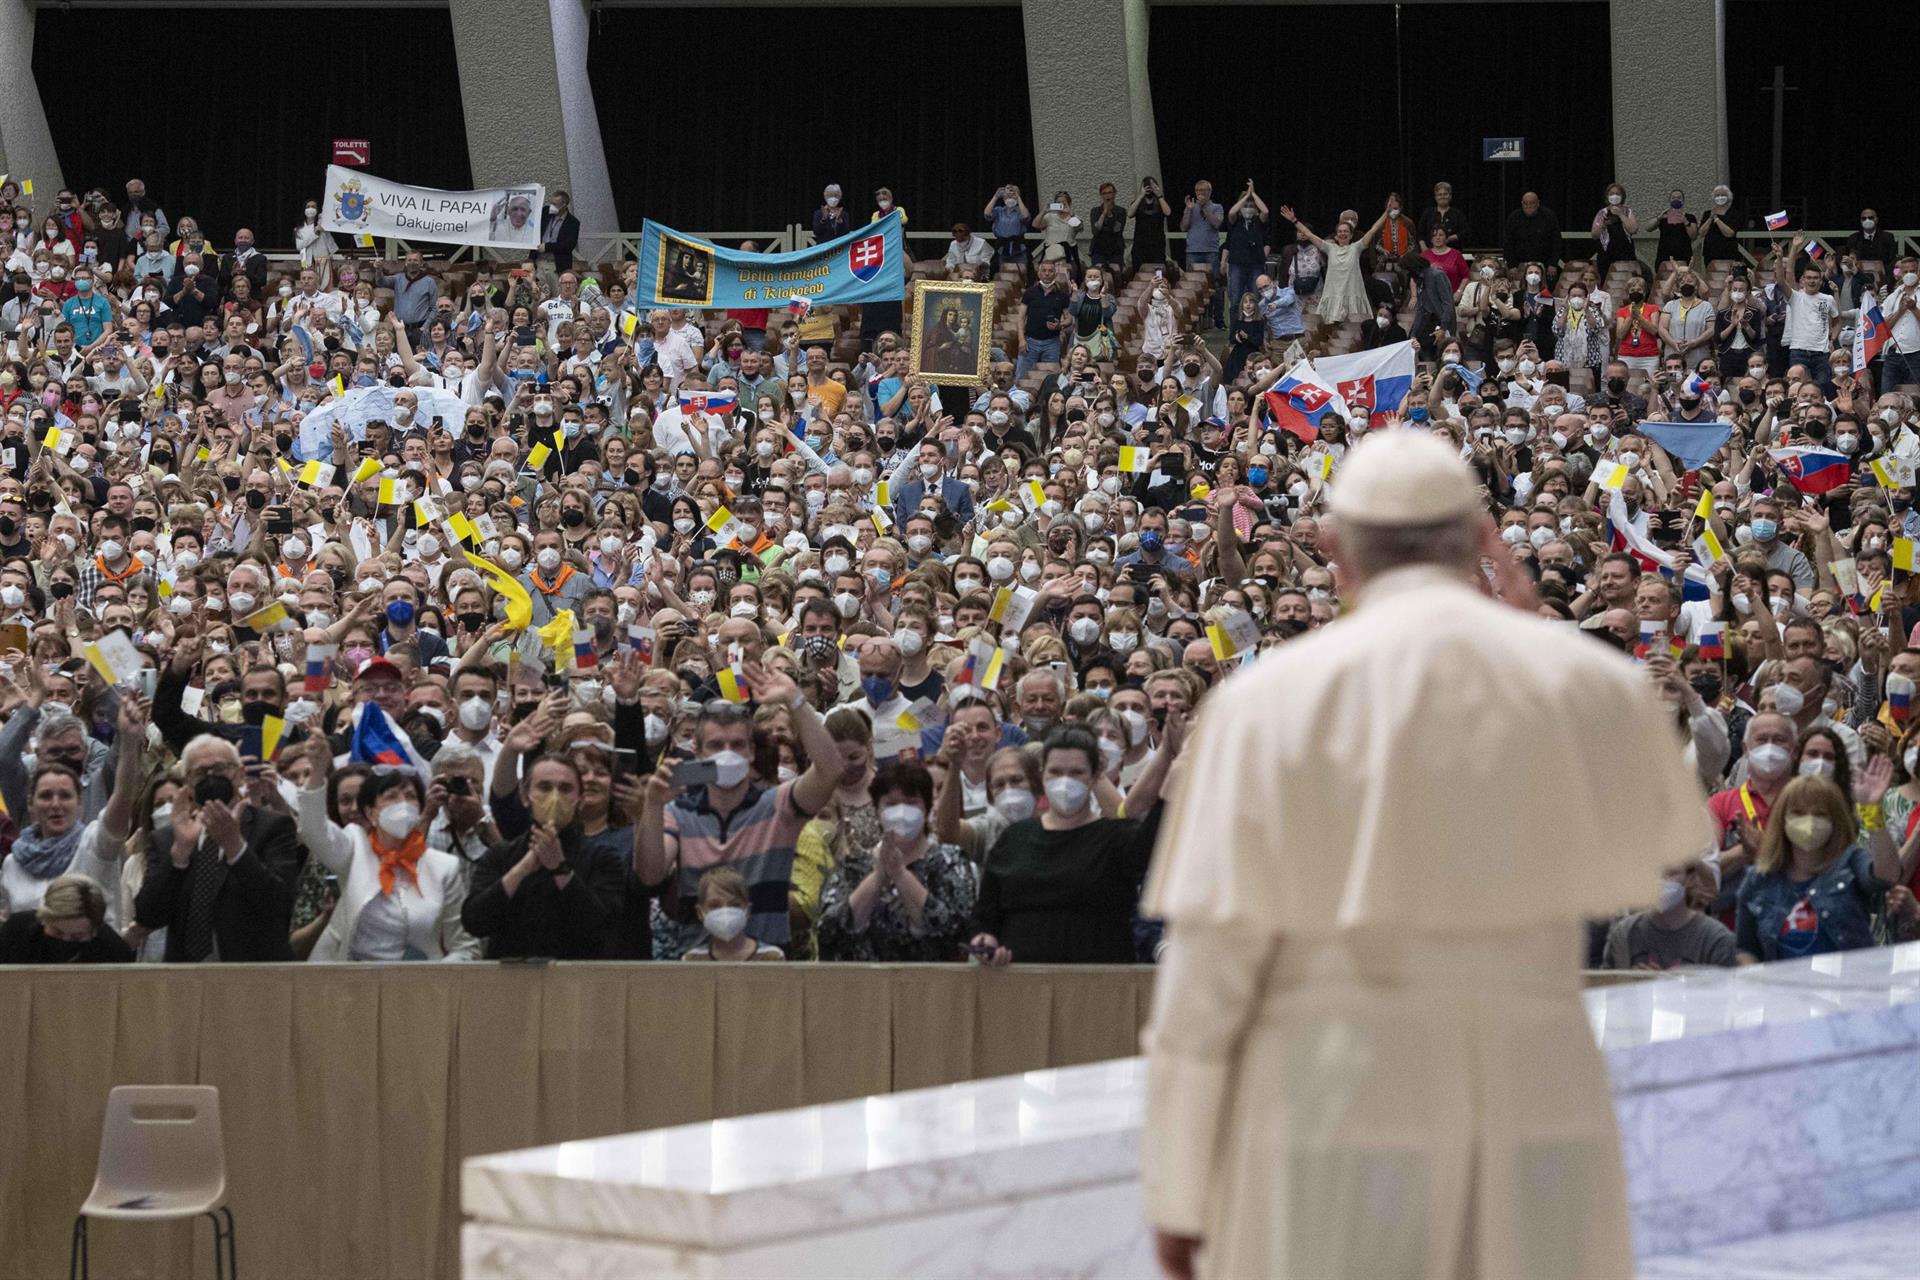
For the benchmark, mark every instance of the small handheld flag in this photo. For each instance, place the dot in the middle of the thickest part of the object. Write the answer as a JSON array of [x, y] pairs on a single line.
[[273, 617], [1776, 221], [367, 470], [1134, 459], [732, 687], [538, 455], [585, 656], [1711, 646], [641, 638], [319, 668], [377, 741], [1609, 474], [1899, 697], [708, 402]]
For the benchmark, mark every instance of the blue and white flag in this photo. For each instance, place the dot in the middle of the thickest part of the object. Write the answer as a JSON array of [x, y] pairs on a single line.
[[868, 264], [1691, 444]]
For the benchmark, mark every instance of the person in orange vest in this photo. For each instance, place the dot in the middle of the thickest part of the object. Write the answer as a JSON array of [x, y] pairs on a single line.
[[115, 562], [551, 581]]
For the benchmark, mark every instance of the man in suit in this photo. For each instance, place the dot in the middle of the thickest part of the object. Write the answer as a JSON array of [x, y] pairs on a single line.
[[246, 261], [220, 874], [559, 233], [954, 495]]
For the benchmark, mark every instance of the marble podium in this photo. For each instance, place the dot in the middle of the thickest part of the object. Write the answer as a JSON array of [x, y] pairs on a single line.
[[1767, 1102]]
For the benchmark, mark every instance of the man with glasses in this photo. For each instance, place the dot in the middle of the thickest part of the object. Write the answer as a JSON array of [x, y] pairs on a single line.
[[220, 872], [737, 820]]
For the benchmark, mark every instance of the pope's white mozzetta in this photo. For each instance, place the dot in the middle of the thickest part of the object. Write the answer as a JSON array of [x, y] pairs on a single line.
[[1367, 1055]]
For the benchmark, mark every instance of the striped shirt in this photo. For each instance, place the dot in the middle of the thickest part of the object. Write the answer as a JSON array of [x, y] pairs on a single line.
[[757, 839]]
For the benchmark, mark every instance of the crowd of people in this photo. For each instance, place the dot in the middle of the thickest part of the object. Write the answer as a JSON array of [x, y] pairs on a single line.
[[359, 609]]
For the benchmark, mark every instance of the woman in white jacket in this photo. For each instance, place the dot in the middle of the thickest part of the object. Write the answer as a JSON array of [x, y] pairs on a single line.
[[313, 241], [399, 899]]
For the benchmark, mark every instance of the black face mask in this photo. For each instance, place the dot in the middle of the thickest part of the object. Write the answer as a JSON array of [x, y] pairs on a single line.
[[256, 499], [1707, 685], [257, 712], [142, 524], [1616, 385], [164, 461], [283, 442], [8, 526], [573, 518], [60, 590], [473, 621], [1748, 395]]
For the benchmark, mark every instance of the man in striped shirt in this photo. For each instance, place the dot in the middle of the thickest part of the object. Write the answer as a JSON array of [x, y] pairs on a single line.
[[737, 820]]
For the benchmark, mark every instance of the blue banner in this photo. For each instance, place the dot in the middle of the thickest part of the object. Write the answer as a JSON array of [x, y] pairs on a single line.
[[1691, 444], [865, 265]]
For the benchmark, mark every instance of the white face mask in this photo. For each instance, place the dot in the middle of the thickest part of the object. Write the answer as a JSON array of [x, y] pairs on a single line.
[[1084, 630], [476, 714], [726, 923], [904, 821], [1067, 796], [1815, 767], [908, 641], [1789, 699], [548, 558], [1015, 804], [1000, 568], [1768, 759], [964, 585], [397, 820], [730, 768], [1672, 894], [835, 564], [846, 604], [241, 602]]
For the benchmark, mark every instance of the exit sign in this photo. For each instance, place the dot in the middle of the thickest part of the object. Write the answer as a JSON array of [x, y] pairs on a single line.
[[353, 151]]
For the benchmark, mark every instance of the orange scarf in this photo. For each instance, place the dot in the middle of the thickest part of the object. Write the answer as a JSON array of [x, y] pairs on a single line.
[[566, 571], [403, 855]]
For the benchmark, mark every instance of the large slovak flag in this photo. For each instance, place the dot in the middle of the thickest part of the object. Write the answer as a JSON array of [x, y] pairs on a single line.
[[1623, 534], [1299, 401], [1377, 380], [377, 740], [1813, 470]]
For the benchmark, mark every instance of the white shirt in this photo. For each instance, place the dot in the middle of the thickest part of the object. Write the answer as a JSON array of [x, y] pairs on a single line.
[[1905, 334], [676, 357], [1809, 321], [558, 311], [670, 432]]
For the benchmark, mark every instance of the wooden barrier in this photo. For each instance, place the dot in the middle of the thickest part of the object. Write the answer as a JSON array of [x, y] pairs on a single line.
[[350, 1093]]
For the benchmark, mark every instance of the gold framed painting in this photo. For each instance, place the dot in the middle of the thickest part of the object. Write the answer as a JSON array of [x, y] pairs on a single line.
[[952, 332], [686, 273]]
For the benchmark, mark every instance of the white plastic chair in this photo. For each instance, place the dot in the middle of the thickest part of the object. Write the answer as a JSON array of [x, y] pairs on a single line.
[[161, 1159]]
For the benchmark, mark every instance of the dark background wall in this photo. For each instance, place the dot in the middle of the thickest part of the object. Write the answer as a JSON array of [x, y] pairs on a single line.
[[1324, 106], [228, 114]]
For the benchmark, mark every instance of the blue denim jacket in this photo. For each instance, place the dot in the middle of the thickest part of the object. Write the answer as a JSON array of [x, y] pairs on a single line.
[[1845, 897]]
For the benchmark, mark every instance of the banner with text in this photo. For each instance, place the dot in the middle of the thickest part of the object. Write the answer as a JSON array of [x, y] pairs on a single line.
[[360, 204], [867, 264]]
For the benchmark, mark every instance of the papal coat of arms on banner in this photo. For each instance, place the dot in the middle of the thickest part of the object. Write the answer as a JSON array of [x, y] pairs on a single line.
[[351, 200]]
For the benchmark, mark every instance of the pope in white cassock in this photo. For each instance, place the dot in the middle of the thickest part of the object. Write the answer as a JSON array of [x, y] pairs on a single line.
[[1368, 1057]]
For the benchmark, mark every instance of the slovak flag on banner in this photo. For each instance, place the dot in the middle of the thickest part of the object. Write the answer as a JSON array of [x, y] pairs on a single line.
[[1377, 381], [708, 401], [1869, 332], [1812, 470], [1299, 401], [866, 256], [376, 740]]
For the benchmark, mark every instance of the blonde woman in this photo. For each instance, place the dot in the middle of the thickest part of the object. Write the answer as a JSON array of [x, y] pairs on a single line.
[[1814, 886], [849, 820]]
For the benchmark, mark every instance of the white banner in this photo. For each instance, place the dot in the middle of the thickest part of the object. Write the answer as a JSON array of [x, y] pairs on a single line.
[[362, 405], [360, 204]]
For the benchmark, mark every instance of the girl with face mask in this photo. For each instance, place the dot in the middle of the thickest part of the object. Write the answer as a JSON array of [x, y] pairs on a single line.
[[1675, 930], [907, 897], [722, 910], [400, 899]]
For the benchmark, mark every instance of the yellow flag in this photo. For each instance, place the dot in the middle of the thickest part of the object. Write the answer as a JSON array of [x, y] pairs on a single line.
[[1903, 554], [730, 686], [311, 473], [462, 527], [1609, 474], [718, 519], [1704, 509], [1134, 458], [519, 603], [883, 494], [392, 493], [538, 456], [1712, 544], [271, 730], [367, 470], [339, 384], [272, 618], [558, 636]]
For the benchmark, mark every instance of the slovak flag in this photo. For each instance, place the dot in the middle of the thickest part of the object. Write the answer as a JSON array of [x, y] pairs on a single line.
[[585, 656], [376, 740], [1653, 640], [1812, 470], [866, 256], [1624, 535], [1374, 381], [708, 401], [1695, 385], [1299, 401], [1869, 333], [799, 306], [1711, 646], [1775, 221]]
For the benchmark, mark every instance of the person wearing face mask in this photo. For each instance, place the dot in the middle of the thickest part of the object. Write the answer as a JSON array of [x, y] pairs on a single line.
[[553, 583], [1061, 888], [1815, 885], [399, 898], [880, 697], [1740, 323], [1782, 555], [736, 820], [1686, 323], [723, 906], [551, 890], [1740, 813], [1900, 358], [1675, 931], [905, 897]]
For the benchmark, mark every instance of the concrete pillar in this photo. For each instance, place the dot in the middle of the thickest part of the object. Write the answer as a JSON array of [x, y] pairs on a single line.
[[1669, 101], [1087, 89], [26, 144], [529, 104]]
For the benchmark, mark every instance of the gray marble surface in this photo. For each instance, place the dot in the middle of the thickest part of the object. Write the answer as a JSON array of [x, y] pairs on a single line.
[[1881, 1248]]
